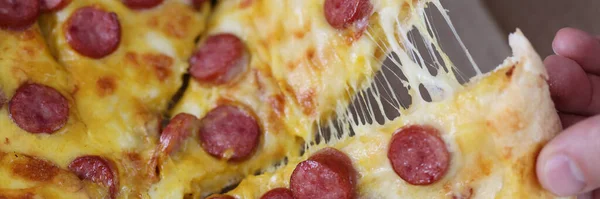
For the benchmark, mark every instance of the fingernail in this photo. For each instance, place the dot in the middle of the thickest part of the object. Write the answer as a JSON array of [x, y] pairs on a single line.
[[563, 176]]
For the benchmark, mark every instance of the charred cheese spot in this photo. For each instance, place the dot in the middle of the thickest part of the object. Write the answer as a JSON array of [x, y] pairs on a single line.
[[34, 169], [246, 3], [277, 102], [310, 54], [177, 27], [28, 35], [303, 32], [131, 57], [485, 165], [6, 141], [106, 86], [161, 64], [306, 99], [512, 122], [29, 51], [510, 71], [16, 194], [507, 152]]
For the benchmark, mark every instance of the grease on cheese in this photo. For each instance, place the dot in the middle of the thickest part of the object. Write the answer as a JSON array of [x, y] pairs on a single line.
[[116, 103], [311, 67], [481, 166], [192, 170]]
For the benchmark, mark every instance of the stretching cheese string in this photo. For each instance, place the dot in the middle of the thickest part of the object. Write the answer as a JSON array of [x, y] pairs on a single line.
[[407, 58]]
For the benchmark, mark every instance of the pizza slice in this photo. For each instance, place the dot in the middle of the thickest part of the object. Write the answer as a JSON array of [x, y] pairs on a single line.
[[101, 103], [236, 108], [127, 59], [34, 177], [318, 57], [480, 142], [42, 131]]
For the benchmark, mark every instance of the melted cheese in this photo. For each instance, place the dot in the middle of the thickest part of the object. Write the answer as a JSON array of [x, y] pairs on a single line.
[[122, 96], [116, 103], [301, 73], [27, 59], [318, 69], [476, 127], [192, 170]]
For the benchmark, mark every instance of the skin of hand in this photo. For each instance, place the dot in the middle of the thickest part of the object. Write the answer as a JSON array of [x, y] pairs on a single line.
[[569, 165]]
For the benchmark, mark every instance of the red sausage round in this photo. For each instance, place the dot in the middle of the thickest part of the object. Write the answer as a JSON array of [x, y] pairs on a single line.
[[327, 174], [178, 129], [18, 14], [278, 193], [53, 5], [98, 170], [229, 132], [342, 13], [93, 32], [141, 4], [220, 59], [418, 155], [37, 108]]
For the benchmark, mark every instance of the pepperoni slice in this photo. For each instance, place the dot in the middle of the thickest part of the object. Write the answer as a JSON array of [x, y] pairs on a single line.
[[327, 174], [220, 59], [37, 108], [141, 4], [53, 5], [229, 132], [98, 170], [278, 193], [93, 32], [18, 14], [342, 13], [178, 129], [418, 155]]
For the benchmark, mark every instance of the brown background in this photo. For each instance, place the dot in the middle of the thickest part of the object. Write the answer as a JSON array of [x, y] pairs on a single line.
[[485, 24]]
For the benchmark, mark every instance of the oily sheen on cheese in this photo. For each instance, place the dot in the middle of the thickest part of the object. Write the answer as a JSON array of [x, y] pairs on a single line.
[[84, 88], [115, 103], [491, 156], [316, 70]]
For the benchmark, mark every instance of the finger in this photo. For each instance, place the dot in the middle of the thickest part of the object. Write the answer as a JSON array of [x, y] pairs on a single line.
[[569, 120], [579, 46], [573, 91], [568, 165]]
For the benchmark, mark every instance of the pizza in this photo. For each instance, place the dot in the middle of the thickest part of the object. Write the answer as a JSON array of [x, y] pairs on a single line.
[[91, 102], [252, 99]]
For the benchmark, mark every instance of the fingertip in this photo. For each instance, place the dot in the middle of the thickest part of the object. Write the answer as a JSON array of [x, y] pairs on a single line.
[[569, 86], [573, 43], [567, 165], [579, 46]]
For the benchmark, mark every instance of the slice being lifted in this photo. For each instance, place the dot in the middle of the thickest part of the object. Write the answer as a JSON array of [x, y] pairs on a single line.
[[480, 142], [312, 57]]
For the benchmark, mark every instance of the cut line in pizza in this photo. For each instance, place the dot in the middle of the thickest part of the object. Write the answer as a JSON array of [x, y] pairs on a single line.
[[260, 99]]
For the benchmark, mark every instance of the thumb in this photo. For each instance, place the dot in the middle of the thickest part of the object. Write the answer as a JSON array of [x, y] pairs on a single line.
[[570, 163]]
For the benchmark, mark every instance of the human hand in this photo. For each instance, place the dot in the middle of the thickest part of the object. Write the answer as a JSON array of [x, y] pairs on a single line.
[[570, 163]]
